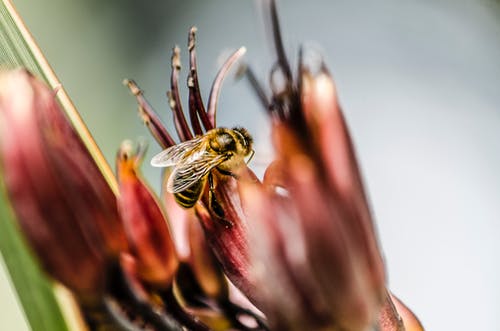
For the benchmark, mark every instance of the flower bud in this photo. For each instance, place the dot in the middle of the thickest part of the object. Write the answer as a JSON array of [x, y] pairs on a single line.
[[144, 221], [63, 203], [330, 137], [316, 264]]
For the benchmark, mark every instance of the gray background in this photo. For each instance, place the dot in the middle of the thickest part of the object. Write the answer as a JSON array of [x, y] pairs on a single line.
[[419, 84]]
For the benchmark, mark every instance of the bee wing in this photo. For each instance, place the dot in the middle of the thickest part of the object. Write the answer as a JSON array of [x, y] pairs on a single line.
[[174, 154], [191, 171]]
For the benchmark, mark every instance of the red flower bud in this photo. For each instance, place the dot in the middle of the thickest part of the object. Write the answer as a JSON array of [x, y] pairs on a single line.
[[63, 203]]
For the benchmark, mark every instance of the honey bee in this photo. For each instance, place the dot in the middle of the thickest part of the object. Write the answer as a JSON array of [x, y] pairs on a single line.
[[193, 161]]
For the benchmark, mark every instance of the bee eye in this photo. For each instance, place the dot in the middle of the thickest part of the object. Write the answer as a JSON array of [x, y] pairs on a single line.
[[223, 142]]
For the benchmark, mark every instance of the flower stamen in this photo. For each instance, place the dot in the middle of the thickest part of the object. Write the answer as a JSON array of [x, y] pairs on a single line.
[[217, 84], [174, 99], [149, 116], [196, 107]]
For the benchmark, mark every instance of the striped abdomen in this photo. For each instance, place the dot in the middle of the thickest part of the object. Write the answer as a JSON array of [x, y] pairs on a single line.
[[191, 195]]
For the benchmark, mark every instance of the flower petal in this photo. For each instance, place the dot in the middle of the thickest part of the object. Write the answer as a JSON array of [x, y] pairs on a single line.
[[62, 202], [307, 271], [336, 155], [410, 320], [144, 222]]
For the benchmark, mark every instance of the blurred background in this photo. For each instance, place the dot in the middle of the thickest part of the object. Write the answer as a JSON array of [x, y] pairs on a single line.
[[419, 82]]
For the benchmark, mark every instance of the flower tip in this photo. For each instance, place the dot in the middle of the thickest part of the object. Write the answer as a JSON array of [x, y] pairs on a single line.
[[191, 38], [242, 68], [324, 85], [126, 150], [318, 93], [317, 82], [238, 53], [410, 320], [242, 50], [176, 58], [132, 86], [311, 60], [192, 32], [130, 156]]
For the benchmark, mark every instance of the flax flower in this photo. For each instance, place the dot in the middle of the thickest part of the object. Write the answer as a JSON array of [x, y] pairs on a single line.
[[295, 251]]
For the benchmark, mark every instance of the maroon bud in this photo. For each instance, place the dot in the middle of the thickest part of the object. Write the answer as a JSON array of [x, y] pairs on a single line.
[[63, 203]]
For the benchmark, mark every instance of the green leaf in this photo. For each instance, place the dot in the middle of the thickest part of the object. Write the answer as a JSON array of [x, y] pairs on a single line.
[[34, 290], [15, 50]]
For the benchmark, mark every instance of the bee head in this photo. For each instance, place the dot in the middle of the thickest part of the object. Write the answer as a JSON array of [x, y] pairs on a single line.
[[244, 138]]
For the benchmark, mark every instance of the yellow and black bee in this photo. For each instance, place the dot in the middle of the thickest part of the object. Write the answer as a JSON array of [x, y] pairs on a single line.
[[222, 149]]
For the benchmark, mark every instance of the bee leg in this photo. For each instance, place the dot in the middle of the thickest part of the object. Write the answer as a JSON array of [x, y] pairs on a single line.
[[252, 153], [214, 204]]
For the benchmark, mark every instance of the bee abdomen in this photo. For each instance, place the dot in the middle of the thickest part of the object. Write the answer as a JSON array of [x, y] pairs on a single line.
[[189, 196]]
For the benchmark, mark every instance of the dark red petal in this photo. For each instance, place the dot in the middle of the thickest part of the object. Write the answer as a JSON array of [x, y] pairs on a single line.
[[82, 179]]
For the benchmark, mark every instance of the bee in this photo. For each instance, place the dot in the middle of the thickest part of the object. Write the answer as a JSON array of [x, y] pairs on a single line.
[[193, 161]]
